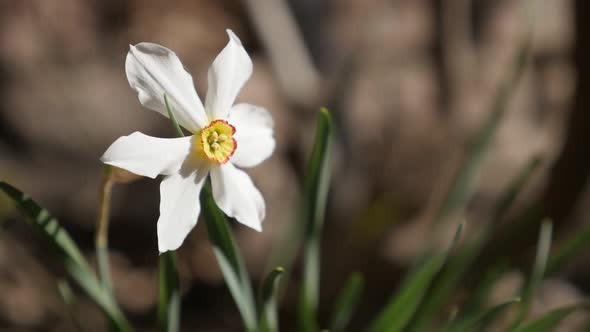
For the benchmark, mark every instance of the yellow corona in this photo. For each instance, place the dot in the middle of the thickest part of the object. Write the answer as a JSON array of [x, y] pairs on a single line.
[[217, 142]]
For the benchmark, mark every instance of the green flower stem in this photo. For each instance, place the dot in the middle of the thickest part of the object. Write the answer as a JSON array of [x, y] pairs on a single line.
[[229, 259], [169, 283], [168, 293]]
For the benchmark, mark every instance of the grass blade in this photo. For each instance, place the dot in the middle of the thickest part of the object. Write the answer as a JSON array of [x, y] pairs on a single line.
[[69, 253], [515, 188], [347, 302], [398, 313], [461, 262], [315, 193], [230, 262], [462, 186], [543, 247], [67, 295], [549, 321], [573, 248], [475, 322], [400, 310], [269, 321]]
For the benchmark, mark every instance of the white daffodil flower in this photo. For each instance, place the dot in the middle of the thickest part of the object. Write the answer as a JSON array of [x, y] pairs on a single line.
[[224, 136]]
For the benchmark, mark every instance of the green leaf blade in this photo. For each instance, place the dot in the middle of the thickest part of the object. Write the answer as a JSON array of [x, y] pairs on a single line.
[[315, 194], [72, 258], [269, 321], [347, 302], [549, 321], [230, 262], [528, 291], [398, 313], [475, 322], [463, 183]]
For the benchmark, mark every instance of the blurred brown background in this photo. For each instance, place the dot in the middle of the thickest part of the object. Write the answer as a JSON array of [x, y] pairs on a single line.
[[409, 84]]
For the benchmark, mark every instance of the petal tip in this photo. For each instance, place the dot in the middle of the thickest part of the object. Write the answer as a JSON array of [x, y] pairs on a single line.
[[163, 247], [257, 226], [233, 37]]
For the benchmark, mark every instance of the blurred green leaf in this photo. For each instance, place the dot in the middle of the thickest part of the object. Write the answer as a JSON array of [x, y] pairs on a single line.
[[515, 188], [69, 298], [347, 302], [475, 322], [65, 291], [269, 321], [69, 253], [528, 291], [400, 310], [398, 313], [458, 264], [574, 247], [463, 183], [168, 293], [462, 187], [230, 262], [479, 298], [549, 321], [315, 192]]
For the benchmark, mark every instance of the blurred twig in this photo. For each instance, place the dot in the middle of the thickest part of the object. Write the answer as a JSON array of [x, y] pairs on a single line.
[[102, 226]]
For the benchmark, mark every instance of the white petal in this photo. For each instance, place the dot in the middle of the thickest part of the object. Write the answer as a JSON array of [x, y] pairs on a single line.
[[179, 208], [236, 195], [228, 73], [146, 155], [153, 70], [254, 134]]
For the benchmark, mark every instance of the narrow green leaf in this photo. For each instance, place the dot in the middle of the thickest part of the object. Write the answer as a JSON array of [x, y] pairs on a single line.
[[462, 186], [543, 247], [400, 310], [315, 193], [458, 264], [230, 262], [68, 251], [574, 247], [479, 298], [549, 321], [398, 313], [65, 291], [347, 302], [69, 298], [475, 322], [269, 321], [515, 188]]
